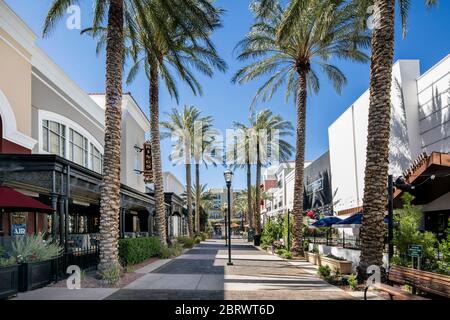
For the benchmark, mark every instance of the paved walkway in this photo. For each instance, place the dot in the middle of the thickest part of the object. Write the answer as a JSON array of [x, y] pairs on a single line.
[[202, 273]]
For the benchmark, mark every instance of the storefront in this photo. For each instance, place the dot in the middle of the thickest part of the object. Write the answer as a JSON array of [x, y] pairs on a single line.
[[72, 194]]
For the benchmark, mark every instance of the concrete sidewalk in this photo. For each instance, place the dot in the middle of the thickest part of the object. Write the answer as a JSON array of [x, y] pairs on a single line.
[[202, 273]]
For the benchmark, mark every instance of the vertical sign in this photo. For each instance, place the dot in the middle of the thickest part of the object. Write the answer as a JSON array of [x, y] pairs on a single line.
[[148, 163]]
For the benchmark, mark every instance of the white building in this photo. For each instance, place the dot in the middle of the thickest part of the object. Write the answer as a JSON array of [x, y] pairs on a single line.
[[420, 123]]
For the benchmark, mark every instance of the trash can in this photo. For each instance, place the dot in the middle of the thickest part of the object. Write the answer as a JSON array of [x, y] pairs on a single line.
[[250, 235], [257, 240]]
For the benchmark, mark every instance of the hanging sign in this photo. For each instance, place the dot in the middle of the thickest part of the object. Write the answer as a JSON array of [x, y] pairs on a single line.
[[148, 163]]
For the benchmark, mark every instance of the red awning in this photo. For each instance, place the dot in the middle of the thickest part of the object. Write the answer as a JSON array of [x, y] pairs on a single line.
[[11, 200]]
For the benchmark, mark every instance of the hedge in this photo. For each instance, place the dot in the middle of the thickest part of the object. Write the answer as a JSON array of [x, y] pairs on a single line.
[[136, 250]]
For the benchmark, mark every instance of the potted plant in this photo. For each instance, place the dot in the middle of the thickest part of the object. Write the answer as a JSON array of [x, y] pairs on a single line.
[[35, 258], [337, 264], [9, 273], [313, 256]]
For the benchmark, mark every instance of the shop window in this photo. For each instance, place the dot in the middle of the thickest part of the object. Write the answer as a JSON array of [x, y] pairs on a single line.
[[78, 148], [96, 159], [54, 138]]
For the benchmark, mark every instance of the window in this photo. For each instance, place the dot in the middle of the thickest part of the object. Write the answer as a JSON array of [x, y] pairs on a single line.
[[54, 137], [78, 148], [96, 159]]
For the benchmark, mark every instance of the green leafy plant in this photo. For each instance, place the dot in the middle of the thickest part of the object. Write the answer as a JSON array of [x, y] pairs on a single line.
[[169, 252], [272, 231], [443, 266], [407, 233], [186, 242], [352, 281], [34, 249], [197, 239], [110, 275], [324, 272], [6, 262], [136, 250]]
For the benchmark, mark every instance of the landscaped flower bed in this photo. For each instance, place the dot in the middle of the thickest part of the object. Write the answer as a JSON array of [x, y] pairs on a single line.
[[313, 258], [336, 264]]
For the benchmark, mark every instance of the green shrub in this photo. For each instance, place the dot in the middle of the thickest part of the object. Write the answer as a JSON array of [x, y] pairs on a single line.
[[5, 262], [169, 252], [443, 266], [197, 239], [34, 249], [352, 281], [287, 255], [407, 233], [137, 250], [273, 230], [110, 275], [264, 246], [324, 272], [204, 236], [186, 242]]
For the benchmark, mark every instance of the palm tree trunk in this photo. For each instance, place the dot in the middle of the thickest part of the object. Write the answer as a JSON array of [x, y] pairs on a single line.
[[377, 154], [297, 211], [156, 154], [110, 189], [197, 197], [257, 218], [188, 191], [249, 195]]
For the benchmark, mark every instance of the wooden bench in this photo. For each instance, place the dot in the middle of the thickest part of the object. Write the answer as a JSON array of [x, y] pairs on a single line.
[[434, 283]]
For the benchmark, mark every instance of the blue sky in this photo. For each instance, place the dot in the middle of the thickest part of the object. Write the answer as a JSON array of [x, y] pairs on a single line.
[[427, 40]]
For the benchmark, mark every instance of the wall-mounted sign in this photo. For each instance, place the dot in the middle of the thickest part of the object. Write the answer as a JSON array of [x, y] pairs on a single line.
[[315, 186], [148, 163]]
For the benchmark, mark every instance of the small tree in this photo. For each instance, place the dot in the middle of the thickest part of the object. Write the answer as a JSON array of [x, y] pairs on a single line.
[[407, 233], [444, 249]]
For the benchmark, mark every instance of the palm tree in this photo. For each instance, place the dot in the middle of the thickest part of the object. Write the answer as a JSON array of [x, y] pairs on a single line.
[[378, 134], [205, 199], [110, 188], [162, 46], [246, 162], [287, 50], [183, 125]]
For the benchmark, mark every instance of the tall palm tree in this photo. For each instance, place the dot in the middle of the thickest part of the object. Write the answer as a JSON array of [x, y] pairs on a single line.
[[182, 125], [162, 46], [288, 51], [263, 122], [110, 188], [246, 162], [205, 199], [378, 134]]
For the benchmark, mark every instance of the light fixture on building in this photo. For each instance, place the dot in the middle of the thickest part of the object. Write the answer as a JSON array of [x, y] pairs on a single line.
[[137, 148]]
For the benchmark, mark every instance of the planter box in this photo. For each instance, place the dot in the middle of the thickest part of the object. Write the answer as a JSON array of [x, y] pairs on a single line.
[[344, 267], [9, 281], [313, 258], [34, 275]]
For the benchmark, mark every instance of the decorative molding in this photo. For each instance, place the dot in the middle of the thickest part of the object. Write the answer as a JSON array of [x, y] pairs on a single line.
[[10, 125]]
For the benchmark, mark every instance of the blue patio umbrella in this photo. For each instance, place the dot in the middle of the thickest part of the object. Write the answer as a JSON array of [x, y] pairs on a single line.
[[326, 222], [353, 220]]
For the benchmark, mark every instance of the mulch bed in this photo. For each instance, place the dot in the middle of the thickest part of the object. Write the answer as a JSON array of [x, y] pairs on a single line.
[[89, 279]]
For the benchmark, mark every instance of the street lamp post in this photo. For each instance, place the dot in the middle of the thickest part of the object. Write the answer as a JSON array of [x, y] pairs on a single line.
[[228, 175]]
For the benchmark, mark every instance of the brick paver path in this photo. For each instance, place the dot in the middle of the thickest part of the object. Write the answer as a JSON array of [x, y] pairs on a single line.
[[202, 273]]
